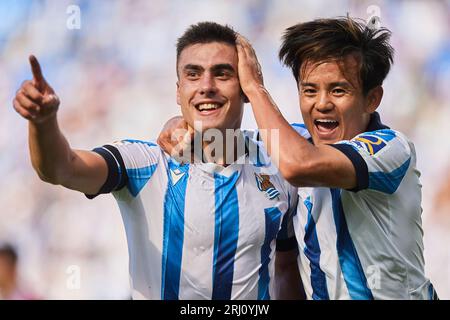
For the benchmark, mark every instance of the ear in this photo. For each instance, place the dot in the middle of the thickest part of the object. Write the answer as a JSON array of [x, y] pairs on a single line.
[[374, 99], [178, 94]]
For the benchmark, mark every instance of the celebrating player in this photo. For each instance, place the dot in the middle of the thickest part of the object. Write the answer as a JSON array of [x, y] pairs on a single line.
[[194, 230], [359, 221]]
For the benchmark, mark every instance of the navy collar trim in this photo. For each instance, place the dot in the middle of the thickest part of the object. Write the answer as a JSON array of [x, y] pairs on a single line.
[[375, 123]]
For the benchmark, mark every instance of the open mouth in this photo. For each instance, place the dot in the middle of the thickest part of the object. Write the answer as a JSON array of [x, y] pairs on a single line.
[[326, 125], [208, 107]]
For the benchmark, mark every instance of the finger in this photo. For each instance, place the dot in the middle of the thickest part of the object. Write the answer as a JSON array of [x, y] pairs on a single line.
[[190, 129], [239, 41], [27, 103], [247, 47], [23, 112], [240, 38], [37, 73], [243, 41], [50, 101], [242, 54], [243, 51], [32, 92], [189, 135]]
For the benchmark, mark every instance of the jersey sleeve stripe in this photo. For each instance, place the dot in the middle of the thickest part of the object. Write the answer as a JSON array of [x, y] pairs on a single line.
[[361, 169], [116, 174], [123, 178]]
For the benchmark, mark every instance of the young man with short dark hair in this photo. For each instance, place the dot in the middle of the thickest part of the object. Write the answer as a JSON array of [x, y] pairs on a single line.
[[358, 224], [194, 230]]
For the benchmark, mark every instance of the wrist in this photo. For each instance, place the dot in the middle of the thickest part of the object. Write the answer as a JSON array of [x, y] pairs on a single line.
[[257, 93], [255, 90], [44, 124]]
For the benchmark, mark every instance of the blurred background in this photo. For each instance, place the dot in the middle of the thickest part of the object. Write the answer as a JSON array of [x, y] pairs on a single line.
[[114, 71]]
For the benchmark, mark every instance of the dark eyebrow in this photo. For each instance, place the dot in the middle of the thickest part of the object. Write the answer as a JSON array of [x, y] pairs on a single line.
[[308, 84], [193, 67], [222, 66], [340, 84], [333, 84]]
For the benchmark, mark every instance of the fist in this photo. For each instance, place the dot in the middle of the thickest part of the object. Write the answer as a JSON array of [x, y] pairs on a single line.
[[36, 100]]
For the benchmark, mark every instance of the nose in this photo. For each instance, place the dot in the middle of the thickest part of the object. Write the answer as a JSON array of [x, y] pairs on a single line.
[[324, 103], [207, 85]]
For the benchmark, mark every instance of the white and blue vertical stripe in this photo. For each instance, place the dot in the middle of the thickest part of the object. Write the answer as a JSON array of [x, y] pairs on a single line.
[[352, 270], [312, 252], [226, 230], [173, 236], [197, 234]]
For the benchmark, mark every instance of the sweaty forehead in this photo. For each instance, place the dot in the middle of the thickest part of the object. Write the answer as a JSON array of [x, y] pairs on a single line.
[[207, 55]]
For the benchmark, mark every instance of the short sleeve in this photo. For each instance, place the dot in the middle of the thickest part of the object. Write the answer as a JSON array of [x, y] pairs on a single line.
[[131, 163], [381, 159]]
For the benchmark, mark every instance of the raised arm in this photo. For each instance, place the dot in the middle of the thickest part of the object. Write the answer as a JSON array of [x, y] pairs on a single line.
[[300, 162], [51, 155]]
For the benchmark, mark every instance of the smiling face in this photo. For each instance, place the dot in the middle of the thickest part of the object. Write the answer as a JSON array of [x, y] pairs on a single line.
[[208, 88], [332, 103]]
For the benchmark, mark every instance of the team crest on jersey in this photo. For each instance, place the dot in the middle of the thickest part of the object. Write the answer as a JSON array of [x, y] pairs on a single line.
[[265, 185], [371, 143]]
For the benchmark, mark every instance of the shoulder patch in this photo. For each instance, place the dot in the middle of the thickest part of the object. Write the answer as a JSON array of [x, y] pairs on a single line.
[[373, 141]]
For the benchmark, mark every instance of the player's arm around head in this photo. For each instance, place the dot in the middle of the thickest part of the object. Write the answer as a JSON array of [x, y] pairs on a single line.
[[336, 98], [301, 163], [51, 156]]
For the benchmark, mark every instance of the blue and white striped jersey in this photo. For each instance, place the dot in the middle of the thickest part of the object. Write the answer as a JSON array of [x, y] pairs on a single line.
[[365, 243], [199, 231]]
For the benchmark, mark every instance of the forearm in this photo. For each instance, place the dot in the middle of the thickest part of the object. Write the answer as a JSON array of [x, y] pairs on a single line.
[[300, 162], [49, 151], [290, 151]]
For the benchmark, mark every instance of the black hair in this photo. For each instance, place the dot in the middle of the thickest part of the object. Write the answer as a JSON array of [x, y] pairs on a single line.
[[206, 32], [325, 39]]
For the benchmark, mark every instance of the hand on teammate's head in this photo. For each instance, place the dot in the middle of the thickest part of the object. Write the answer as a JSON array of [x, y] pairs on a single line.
[[175, 138]]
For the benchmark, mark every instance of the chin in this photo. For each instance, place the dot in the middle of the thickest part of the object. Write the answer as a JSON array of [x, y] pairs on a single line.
[[206, 125], [318, 139]]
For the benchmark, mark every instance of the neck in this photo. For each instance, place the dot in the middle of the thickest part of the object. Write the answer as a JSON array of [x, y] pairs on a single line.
[[221, 148]]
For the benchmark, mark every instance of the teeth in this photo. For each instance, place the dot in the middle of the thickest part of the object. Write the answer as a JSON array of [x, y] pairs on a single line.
[[208, 106], [326, 120]]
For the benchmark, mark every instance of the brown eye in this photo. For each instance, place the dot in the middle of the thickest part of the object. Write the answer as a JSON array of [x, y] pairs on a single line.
[[192, 75], [309, 91], [223, 75], [338, 91]]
